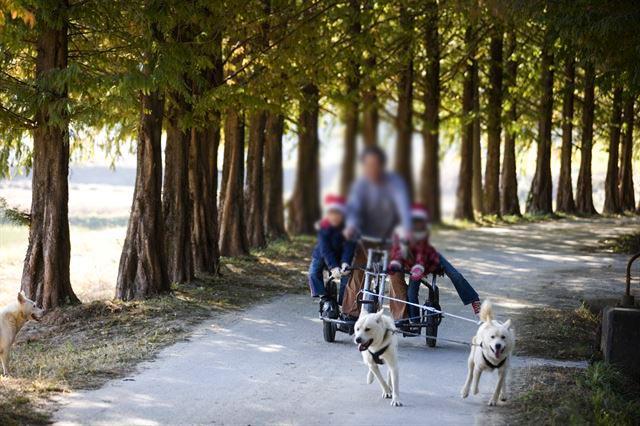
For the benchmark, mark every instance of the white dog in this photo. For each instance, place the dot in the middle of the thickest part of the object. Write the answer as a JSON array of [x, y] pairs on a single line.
[[12, 318], [491, 349], [374, 335]]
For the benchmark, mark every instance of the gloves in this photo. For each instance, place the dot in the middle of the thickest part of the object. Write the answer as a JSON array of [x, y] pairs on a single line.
[[417, 272], [344, 270], [395, 266], [335, 272]]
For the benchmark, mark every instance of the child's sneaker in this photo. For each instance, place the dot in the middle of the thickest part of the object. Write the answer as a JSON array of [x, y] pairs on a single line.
[[475, 305]]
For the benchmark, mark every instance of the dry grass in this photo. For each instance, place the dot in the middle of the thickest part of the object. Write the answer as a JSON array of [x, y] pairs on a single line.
[[82, 346]]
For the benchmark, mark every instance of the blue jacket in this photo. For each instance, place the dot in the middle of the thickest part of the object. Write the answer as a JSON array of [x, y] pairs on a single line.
[[332, 247]]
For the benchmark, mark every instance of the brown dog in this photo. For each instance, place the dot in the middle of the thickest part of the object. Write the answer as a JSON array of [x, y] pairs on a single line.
[[12, 318]]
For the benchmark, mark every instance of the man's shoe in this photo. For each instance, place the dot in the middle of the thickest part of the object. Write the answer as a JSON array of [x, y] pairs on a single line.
[[329, 308]]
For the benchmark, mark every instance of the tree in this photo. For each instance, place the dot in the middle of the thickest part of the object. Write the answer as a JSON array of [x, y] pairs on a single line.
[[539, 199], [45, 278], [584, 197], [494, 124], [611, 194], [273, 201], [430, 189], [254, 189], [509, 202], [627, 196], [564, 198]]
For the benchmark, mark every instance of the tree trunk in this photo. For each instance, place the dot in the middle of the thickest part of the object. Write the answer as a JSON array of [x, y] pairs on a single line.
[[370, 117], [304, 207], [45, 277], [464, 204], [352, 105], [584, 193], [509, 203], [142, 271], [430, 188], [273, 191], [564, 197], [627, 196], [176, 206], [611, 195], [476, 181], [232, 239], [404, 119], [494, 125], [539, 199], [254, 192]]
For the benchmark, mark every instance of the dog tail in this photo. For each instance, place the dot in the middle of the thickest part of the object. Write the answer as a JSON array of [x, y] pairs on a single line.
[[486, 311], [369, 377]]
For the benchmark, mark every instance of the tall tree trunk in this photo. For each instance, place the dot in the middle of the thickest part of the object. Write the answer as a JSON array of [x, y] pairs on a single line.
[[539, 199], [273, 190], [611, 194], [584, 195], [494, 125], [476, 180], [509, 202], [464, 203], [352, 105], [176, 206], [404, 119], [304, 206], [627, 196], [564, 196], [142, 271], [255, 180], [232, 239], [430, 187], [370, 117], [45, 277]]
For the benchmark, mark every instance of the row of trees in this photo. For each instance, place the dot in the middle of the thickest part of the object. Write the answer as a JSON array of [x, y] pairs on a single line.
[[245, 72]]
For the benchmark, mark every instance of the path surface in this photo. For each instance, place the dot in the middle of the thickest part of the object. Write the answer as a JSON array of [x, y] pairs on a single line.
[[269, 365]]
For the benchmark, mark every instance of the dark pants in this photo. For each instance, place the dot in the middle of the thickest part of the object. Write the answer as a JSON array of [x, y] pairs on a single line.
[[316, 280]]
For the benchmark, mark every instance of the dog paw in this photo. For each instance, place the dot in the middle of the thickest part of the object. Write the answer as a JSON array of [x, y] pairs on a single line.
[[503, 398], [396, 403], [464, 393], [476, 391], [386, 395], [492, 402]]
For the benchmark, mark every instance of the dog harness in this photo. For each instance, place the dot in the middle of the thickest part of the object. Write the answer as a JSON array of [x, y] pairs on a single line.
[[376, 355], [489, 363]]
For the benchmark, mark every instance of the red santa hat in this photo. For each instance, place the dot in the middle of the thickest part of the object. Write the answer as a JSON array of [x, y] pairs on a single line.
[[335, 202], [419, 211]]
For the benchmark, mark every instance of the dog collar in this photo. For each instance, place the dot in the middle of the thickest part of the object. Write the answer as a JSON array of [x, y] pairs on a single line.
[[489, 363], [376, 355]]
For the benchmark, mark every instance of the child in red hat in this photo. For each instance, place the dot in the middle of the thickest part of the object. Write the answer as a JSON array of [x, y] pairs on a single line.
[[333, 252]]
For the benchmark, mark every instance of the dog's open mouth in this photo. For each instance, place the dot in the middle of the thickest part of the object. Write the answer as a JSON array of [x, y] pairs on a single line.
[[497, 352], [364, 346]]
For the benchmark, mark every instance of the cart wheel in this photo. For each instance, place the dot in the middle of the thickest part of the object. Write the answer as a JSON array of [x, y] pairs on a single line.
[[431, 325], [329, 331]]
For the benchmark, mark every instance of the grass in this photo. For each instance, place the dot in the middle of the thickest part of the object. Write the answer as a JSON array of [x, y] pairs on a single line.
[[494, 220], [624, 244], [598, 395], [83, 346]]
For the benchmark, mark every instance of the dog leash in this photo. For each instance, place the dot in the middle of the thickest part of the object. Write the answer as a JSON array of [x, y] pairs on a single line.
[[459, 342], [429, 308]]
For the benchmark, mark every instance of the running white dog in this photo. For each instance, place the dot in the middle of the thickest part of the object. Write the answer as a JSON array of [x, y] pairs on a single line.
[[375, 337], [12, 318], [491, 349]]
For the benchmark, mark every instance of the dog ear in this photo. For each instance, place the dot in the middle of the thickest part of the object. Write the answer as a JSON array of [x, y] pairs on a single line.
[[508, 324], [379, 316], [21, 297]]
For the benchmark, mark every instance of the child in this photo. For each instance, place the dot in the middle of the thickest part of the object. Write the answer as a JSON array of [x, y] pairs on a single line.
[[332, 252], [420, 258]]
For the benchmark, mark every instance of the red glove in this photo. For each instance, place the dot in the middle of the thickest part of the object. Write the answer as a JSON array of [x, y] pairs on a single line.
[[395, 266], [417, 272]]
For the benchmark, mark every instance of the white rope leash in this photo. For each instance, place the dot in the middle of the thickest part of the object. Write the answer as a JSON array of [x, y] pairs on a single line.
[[429, 308]]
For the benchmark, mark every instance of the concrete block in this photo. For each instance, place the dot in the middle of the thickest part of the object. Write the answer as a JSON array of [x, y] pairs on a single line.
[[620, 341]]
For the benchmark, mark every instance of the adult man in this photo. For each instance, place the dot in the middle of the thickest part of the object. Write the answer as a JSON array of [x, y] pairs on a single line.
[[378, 203]]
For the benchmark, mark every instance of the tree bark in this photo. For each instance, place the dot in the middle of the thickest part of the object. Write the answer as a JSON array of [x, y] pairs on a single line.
[[539, 199], [352, 105], [176, 205], [404, 119], [564, 197], [142, 271], [232, 239], [611, 194], [464, 202], [494, 125], [584, 193], [430, 188], [370, 117], [273, 189], [509, 202], [254, 190], [627, 196], [304, 206], [45, 277], [476, 180]]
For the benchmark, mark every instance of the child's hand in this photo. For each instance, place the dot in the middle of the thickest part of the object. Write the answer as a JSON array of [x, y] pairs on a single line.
[[417, 272]]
